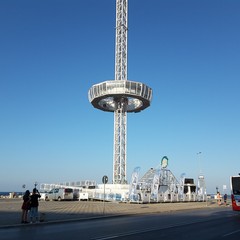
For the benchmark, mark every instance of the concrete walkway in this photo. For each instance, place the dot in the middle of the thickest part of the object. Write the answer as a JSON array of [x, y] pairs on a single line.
[[54, 211]]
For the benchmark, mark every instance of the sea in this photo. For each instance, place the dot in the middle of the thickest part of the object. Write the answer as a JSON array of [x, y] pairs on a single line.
[[6, 194]]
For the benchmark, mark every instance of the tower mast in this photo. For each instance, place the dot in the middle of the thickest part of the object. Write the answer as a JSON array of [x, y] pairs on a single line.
[[120, 115]]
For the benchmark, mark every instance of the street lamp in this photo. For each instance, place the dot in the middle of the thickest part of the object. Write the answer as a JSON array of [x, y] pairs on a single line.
[[23, 186], [198, 154]]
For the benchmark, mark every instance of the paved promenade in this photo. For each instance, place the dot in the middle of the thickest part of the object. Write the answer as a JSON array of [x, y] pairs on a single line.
[[54, 211]]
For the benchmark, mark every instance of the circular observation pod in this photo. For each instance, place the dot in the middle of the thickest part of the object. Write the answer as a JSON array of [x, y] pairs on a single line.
[[107, 95]]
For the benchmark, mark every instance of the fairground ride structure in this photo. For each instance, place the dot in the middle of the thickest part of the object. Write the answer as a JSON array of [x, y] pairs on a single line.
[[120, 95]]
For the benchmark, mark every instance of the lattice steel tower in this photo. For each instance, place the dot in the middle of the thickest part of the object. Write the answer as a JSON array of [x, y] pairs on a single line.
[[120, 95]]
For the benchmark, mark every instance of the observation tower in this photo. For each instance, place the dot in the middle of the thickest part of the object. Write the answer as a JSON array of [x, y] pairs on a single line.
[[120, 95]]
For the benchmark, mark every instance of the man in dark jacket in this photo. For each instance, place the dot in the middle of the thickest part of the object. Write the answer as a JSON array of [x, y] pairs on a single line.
[[34, 205]]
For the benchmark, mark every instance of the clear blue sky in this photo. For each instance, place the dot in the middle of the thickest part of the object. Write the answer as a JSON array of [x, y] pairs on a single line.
[[53, 51]]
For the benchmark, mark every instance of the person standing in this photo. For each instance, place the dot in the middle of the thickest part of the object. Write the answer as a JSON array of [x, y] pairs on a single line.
[[219, 199], [25, 206], [225, 199], [34, 205]]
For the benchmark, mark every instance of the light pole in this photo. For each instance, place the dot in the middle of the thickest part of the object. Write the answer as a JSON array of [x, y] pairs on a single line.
[[23, 186], [199, 164], [104, 181]]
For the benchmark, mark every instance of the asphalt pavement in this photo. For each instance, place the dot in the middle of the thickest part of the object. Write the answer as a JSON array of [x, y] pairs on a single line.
[[55, 211]]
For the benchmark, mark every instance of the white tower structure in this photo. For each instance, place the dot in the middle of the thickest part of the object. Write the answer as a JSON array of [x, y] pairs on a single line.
[[120, 95]]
